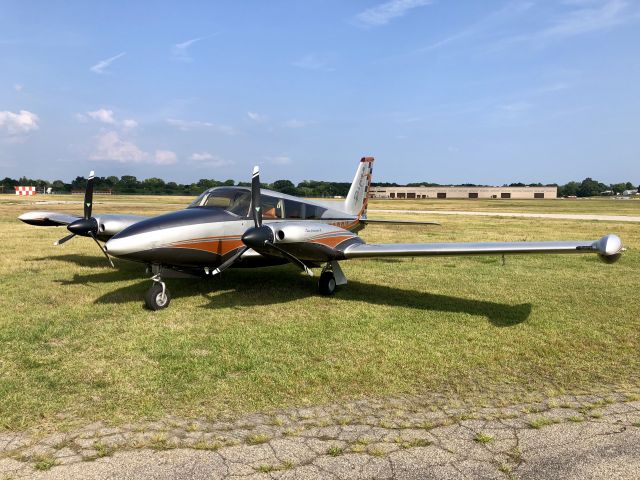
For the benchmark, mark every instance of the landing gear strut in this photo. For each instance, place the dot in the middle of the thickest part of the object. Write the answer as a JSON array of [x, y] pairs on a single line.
[[158, 296], [330, 278]]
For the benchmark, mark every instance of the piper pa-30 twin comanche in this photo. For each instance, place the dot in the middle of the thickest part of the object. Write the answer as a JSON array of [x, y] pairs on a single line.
[[253, 227]]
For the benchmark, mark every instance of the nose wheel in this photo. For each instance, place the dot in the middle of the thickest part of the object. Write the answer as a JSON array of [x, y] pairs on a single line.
[[158, 296]]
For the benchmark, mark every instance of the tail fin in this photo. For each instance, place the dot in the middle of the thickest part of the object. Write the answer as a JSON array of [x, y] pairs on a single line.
[[358, 196]]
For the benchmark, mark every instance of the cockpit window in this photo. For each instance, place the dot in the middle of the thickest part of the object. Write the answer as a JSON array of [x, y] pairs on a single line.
[[230, 199]]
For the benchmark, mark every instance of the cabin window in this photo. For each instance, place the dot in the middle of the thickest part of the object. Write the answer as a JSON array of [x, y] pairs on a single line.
[[411, 195], [313, 212], [271, 207], [442, 195], [473, 194], [293, 209], [538, 195], [505, 195], [392, 195], [232, 200]]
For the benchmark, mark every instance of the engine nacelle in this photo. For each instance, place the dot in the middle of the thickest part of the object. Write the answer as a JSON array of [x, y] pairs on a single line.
[[312, 240]]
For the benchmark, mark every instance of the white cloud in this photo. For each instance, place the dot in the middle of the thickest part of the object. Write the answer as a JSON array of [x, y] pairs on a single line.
[[201, 157], [314, 61], [18, 123], [209, 160], [295, 123], [165, 157], [102, 115], [100, 67], [279, 160], [180, 51], [188, 125], [385, 12], [588, 19], [129, 124], [106, 116], [257, 117], [112, 148], [18, 87], [516, 107]]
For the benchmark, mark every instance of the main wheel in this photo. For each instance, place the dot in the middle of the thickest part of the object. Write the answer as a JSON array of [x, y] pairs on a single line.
[[327, 283], [155, 300]]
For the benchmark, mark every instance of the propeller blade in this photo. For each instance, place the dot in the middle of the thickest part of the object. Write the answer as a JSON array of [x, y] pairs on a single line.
[[102, 249], [65, 239], [256, 207], [88, 196], [229, 262], [296, 261]]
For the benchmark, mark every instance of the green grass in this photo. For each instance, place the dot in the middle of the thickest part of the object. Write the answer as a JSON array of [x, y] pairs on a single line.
[[484, 438], [335, 451], [43, 462], [78, 346], [540, 422]]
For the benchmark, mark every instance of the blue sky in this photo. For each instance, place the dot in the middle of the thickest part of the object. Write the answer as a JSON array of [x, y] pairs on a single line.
[[444, 91]]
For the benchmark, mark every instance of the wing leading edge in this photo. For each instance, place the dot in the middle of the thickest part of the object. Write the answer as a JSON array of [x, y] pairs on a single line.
[[609, 248]]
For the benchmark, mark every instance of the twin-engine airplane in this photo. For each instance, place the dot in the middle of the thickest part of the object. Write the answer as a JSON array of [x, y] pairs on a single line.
[[254, 227]]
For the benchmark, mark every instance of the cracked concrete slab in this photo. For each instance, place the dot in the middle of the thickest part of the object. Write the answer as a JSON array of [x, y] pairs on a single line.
[[575, 437]]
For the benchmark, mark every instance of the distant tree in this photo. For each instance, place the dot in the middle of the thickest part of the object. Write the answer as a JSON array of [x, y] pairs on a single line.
[[284, 186], [618, 188], [590, 188], [569, 190]]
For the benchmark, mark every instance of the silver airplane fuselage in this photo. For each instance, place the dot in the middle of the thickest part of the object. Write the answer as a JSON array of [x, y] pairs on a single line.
[[205, 236]]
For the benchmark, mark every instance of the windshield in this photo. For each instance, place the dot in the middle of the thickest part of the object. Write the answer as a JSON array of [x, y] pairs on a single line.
[[230, 199]]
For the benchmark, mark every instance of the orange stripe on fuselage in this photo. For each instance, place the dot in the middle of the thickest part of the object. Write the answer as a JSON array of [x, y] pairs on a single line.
[[333, 241], [220, 247]]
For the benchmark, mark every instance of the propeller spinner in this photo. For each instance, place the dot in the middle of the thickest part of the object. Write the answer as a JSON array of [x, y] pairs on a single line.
[[88, 225]]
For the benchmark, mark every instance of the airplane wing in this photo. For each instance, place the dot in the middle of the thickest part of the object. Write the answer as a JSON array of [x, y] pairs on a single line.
[[48, 219], [109, 223], [609, 248]]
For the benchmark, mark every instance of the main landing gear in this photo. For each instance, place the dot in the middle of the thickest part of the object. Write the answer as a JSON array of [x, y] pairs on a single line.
[[330, 278]]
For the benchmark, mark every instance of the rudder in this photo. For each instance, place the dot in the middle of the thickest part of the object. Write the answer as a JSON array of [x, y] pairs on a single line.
[[358, 196]]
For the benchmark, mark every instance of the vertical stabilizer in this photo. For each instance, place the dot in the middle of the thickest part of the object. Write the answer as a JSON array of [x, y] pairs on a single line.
[[356, 202]]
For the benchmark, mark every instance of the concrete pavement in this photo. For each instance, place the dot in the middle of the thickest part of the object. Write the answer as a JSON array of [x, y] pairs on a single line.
[[571, 437]]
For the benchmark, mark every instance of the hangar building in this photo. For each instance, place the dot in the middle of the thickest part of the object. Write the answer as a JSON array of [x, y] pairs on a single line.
[[464, 192]]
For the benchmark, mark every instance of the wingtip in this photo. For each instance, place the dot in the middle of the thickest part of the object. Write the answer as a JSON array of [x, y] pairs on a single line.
[[92, 174], [609, 248], [256, 170]]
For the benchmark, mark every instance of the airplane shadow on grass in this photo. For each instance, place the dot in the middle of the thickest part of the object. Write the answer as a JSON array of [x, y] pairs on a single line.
[[274, 285]]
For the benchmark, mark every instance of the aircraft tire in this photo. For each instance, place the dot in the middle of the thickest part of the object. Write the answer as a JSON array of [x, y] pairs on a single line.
[[153, 298], [327, 283]]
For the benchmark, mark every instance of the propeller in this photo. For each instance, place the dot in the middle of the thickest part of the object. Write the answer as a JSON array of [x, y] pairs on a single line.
[[259, 236], [87, 226]]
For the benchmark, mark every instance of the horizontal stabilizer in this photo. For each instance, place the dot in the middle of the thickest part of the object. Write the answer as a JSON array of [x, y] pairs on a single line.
[[368, 221]]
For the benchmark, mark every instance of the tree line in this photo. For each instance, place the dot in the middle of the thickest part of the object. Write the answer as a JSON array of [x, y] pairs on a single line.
[[128, 184]]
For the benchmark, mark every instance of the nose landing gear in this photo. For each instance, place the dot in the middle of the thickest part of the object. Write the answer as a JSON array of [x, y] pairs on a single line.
[[158, 296]]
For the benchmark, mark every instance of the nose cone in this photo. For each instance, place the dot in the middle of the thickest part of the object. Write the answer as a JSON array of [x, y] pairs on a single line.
[[83, 226], [117, 247]]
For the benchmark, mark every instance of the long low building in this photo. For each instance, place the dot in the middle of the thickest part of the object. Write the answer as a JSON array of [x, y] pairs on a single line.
[[463, 192]]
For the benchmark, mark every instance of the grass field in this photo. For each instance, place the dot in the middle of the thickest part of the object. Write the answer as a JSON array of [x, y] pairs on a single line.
[[77, 345]]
